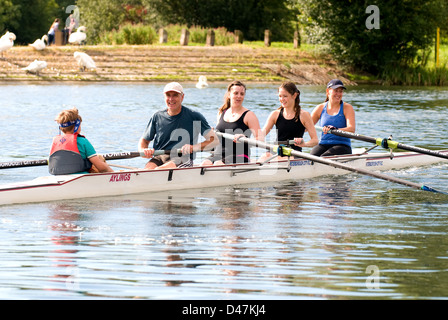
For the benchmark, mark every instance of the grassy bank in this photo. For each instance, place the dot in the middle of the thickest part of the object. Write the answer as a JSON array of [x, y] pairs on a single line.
[[429, 74], [127, 63]]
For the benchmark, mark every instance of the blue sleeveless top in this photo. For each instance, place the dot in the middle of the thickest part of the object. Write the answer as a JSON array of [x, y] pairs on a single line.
[[337, 121]]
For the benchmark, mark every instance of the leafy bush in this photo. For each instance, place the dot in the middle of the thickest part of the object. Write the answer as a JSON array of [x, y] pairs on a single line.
[[199, 35], [406, 28], [130, 34]]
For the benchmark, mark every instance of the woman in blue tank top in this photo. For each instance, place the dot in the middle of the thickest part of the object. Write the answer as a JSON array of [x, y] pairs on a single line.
[[334, 113]]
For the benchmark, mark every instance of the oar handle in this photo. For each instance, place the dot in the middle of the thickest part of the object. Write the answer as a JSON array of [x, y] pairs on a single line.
[[288, 142], [160, 152]]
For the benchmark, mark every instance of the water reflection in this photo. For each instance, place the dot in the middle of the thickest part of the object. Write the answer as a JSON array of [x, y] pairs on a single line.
[[307, 239], [66, 240]]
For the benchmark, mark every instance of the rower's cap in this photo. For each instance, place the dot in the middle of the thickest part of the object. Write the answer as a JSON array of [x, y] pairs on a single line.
[[335, 83], [173, 86]]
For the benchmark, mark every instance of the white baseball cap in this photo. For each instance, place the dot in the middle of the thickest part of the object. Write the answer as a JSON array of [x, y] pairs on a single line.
[[173, 86]]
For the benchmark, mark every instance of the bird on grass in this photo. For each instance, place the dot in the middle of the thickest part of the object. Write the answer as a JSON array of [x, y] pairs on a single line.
[[84, 61], [35, 67], [7, 41], [79, 36], [40, 44]]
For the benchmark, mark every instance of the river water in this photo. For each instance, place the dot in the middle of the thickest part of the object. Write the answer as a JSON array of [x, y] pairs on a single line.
[[346, 237]]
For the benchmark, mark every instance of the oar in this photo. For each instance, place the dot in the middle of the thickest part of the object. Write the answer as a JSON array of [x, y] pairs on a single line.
[[287, 142], [25, 163], [107, 156], [385, 143], [285, 151]]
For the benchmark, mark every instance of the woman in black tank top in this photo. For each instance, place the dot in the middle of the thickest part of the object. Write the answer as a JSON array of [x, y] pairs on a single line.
[[237, 120], [290, 120], [288, 129]]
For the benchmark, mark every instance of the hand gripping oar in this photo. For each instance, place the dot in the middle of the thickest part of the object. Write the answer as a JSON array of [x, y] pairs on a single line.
[[385, 143], [285, 151], [107, 156]]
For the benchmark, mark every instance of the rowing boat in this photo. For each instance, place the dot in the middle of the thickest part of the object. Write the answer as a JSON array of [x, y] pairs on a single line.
[[53, 188]]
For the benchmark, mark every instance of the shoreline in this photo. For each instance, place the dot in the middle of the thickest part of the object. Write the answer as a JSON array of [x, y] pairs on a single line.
[[160, 63]]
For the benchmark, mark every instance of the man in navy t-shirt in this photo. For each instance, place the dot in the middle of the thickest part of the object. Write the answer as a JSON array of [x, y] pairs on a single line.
[[174, 128]]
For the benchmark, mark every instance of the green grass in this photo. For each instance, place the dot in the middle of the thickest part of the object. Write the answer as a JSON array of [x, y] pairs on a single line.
[[443, 57], [429, 74]]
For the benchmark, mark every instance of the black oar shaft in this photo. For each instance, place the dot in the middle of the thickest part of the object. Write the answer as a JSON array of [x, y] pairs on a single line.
[[25, 163], [44, 162], [107, 156], [289, 151], [422, 150], [386, 143]]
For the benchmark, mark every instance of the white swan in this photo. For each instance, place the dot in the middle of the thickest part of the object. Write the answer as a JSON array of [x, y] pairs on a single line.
[[35, 66], [7, 41], [40, 44], [202, 83], [84, 60], [8, 35], [78, 37]]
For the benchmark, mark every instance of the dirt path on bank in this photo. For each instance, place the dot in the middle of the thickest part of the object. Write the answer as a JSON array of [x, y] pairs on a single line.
[[172, 63]]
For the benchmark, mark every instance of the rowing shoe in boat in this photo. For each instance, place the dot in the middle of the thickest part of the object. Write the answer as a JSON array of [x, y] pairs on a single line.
[[52, 188]]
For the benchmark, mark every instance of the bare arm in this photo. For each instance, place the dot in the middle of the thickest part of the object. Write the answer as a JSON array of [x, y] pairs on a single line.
[[100, 165], [270, 122], [315, 114], [307, 122], [349, 113], [252, 122], [211, 140]]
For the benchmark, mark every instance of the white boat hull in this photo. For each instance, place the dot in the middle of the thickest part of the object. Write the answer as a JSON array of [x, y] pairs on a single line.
[[53, 188]]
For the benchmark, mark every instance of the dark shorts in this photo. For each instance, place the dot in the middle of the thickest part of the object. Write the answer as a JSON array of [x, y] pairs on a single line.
[[323, 150], [180, 162]]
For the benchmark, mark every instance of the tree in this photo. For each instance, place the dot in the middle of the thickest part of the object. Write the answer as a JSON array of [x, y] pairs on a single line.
[[29, 20], [36, 19], [406, 27], [100, 16], [9, 14], [250, 16]]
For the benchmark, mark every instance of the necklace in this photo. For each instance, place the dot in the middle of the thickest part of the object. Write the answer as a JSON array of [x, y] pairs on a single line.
[[234, 113]]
